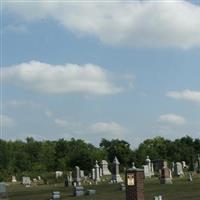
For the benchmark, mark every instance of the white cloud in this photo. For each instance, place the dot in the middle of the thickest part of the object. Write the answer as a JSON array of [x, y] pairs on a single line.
[[59, 79], [137, 23], [172, 119], [187, 95], [61, 122], [110, 129], [6, 121]]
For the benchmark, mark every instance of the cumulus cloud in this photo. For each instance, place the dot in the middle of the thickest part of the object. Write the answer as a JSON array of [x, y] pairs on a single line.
[[59, 79], [112, 129], [6, 121], [136, 23], [187, 95], [172, 119]]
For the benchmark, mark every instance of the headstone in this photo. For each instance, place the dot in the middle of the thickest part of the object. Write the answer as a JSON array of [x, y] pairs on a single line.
[[97, 176], [93, 174], [56, 195], [134, 179], [190, 177], [39, 178], [178, 169], [70, 178], [116, 178], [59, 174], [147, 173], [82, 174], [26, 181], [148, 168], [198, 163], [122, 187], [166, 176], [158, 197], [79, 191], [3, 190], [100, 172], [77, 176], [105, 170], [14, 180]]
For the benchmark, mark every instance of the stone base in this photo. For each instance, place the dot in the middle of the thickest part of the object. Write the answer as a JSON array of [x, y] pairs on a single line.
[[166, 181]]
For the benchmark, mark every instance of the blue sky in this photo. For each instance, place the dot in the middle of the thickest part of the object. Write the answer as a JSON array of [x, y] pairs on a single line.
[[93, 70]]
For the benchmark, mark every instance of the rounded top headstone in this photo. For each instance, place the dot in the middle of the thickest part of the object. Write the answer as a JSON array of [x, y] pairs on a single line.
[[104, 162]]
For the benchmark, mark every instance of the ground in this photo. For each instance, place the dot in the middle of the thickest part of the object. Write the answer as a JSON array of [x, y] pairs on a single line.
[[181, 189]]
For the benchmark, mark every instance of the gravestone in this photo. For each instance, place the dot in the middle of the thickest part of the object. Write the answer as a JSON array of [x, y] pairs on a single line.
[[100, 172], [14, 180], [105, 170], [78, 191], [166, 176], [77, 178], [116, 178], [134, 179], [59, 174], [82, 174], [93, 174], [70, 178], [122, 187], [3, 192], [26, 181], [178, 169], [56, 195], [148, 168], [97, 176], [158, 197], [190, 177]]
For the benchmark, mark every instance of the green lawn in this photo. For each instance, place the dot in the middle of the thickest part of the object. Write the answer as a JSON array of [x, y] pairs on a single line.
[[180, 190]]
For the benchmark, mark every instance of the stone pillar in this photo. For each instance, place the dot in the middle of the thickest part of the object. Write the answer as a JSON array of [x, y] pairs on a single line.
[[134, 180], [93, 174], [100, 172], [77, 176], [115, 171], [97, 177]]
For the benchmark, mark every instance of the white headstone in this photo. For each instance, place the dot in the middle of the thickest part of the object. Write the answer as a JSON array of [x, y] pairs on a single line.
[[26, 181], [93, 174], [178, 170], [58, 174], [14, 180], [97, 176], [77, 175], [105, 170]]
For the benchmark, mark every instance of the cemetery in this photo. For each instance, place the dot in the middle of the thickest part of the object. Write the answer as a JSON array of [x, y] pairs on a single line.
[[134, 184]]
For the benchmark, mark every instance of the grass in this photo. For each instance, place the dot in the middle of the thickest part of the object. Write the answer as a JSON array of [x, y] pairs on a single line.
[[181, 189]]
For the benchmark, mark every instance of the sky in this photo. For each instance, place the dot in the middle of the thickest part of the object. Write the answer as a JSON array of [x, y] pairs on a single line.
[[91, 70]]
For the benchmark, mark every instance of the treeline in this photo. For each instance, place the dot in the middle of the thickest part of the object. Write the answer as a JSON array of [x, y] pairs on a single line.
[[38, 157]]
